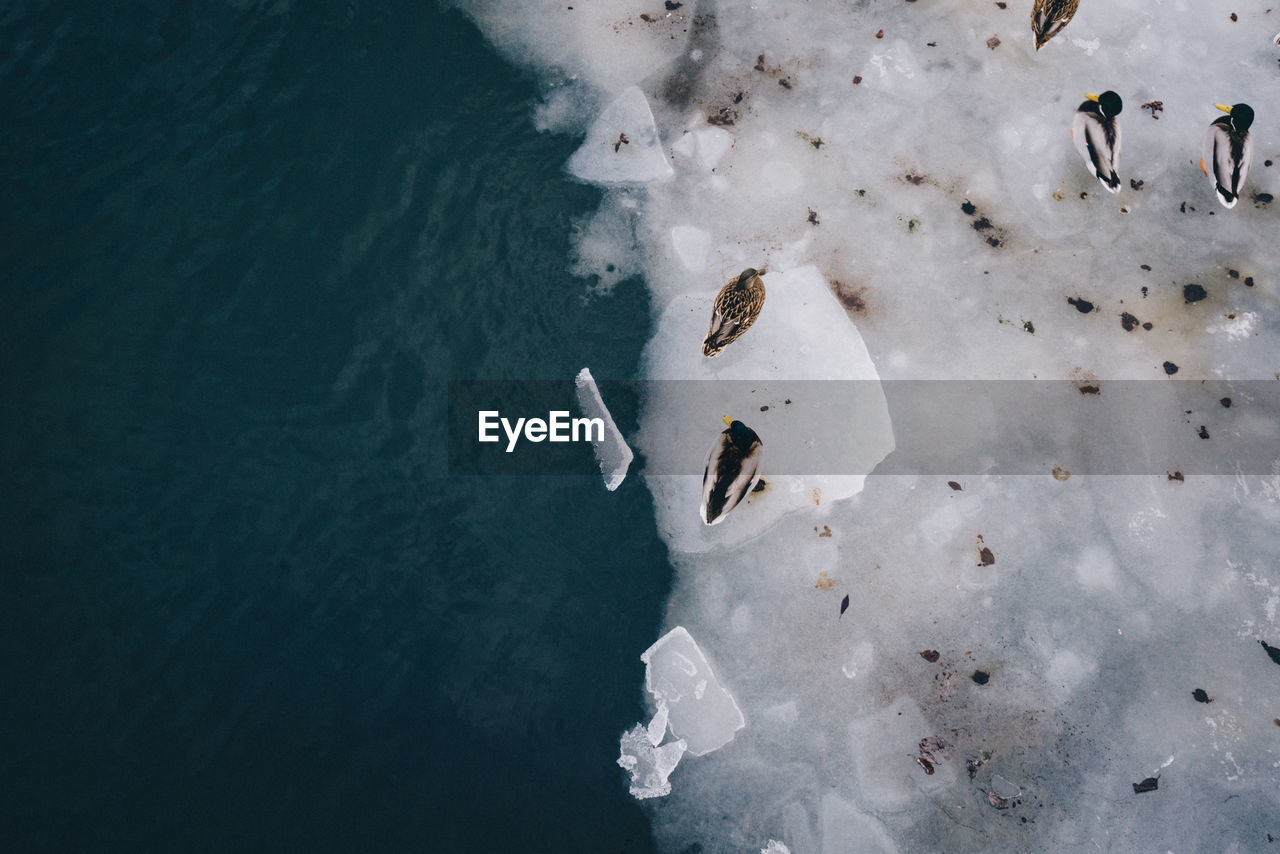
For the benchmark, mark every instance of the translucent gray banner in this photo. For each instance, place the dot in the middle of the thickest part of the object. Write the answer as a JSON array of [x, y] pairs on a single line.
[[1111, 427]]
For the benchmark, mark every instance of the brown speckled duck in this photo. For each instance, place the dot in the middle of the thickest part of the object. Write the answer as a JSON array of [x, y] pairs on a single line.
[[1048, 17], [737, 306]]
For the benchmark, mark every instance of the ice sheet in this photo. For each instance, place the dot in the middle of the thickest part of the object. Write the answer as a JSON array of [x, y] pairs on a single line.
[[912, 162]]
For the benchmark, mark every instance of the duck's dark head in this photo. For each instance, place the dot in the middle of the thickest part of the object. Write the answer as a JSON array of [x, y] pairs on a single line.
[[745, 277], [740, 434], [1110, 104], [1241, 117]]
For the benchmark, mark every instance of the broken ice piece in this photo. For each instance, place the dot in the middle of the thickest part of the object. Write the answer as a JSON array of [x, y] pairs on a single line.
[[700, 710], [657, 729], [649, 766], [775, 847], [1005, 789], [612, 452], [1148, 785], [641, 161]]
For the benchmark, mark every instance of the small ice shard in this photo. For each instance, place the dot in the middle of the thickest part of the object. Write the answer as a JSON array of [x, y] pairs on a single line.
[[700, 711], [650, 766], [773, 846], [622, 146], [657, 728], [612, 452], [1004, 789], [708, 145]]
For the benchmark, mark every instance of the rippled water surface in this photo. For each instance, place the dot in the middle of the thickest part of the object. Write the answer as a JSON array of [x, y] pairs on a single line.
[[243, 606]]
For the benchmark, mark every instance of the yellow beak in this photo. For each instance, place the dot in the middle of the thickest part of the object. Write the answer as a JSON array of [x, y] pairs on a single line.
[[1090, 96], [1224, 108], [728, 421]]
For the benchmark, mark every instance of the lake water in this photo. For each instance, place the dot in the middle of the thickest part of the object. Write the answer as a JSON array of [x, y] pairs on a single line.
[[243, 605]]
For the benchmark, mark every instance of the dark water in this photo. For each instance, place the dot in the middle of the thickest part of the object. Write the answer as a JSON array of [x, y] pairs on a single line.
[[242, 606]]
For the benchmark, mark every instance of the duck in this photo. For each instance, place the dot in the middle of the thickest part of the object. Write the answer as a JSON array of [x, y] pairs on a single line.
[[1228, 152], [733, 469], [737, 306], [1048, 17], [1097, 136]]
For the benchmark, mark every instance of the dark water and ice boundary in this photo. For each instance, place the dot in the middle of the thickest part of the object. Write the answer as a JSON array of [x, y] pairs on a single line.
[[241, 608]]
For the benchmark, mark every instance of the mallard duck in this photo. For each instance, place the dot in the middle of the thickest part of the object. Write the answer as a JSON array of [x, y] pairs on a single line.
[[1097, 136], [733, 467], [1228, 151], [737, 306], [1048, 17]]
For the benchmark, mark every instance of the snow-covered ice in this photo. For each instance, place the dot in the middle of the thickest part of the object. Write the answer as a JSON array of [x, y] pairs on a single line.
[[905, 172]]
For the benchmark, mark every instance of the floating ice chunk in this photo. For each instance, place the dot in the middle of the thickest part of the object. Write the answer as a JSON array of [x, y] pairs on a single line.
[[701, 712], [622, 146], [1089, 46], [1096, 568], [1004, 788], [601, 41], [884, 745], [692, 246], [845, 830], [706, 146], [650, 766], [612, 452], [796, 828], [775, 847], [820, 438], [1237, 326], [897, 69], [860, 660], [1066, 672]]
